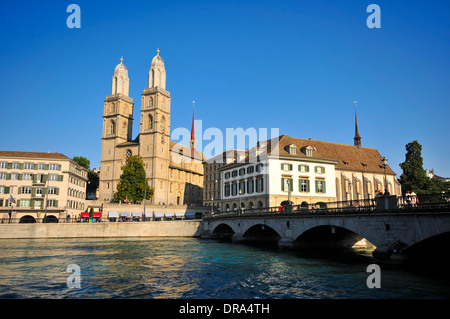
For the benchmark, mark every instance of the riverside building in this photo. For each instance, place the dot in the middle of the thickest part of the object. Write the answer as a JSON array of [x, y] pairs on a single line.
[[36, 185]]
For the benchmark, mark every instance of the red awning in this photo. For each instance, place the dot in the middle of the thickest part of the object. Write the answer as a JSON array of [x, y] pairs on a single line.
[[98, 215]]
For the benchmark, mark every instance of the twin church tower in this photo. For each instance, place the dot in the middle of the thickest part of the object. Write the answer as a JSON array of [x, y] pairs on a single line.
[[175, 172]]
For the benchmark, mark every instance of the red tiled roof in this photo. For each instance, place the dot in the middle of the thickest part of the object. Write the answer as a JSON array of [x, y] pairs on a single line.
[[33, 155]]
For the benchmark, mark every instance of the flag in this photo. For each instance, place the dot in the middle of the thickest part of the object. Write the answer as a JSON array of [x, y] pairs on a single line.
[[127, 200], [11, 199]]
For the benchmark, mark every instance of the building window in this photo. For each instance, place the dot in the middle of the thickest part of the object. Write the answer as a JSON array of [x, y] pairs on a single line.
[[28, 166], [319, 169], [234, 189], [250, 169], [53, 167], [241, 188], [16, 165], [259, 185], [3, 165], [286, 167], [303, 168], [25, 203], [26, 190], [227, 190], [320, 186], [287, 184], [52, 191], [303, 185], [52, 177], [250, 186], [2, 175], [292, 150], [234, 173], [242, 172]]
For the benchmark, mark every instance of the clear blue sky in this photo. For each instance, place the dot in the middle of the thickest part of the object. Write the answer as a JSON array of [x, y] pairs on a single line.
[[294, 65]]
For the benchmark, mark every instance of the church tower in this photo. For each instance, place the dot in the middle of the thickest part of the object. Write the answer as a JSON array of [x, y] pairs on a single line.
[[154, 135], [117, 129]]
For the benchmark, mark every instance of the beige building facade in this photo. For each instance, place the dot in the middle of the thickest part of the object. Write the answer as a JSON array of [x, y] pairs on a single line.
[[36, 185], [175, 172]]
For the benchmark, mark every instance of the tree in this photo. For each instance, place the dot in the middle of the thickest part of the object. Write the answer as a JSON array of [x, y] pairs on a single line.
[[133, 181], [414, 176], [83, 161]]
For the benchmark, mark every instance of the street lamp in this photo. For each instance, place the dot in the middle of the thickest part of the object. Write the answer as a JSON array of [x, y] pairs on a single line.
[[240, 200], [384, 161]]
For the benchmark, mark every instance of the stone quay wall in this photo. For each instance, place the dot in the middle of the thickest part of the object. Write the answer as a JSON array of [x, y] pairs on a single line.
[[173, 228]]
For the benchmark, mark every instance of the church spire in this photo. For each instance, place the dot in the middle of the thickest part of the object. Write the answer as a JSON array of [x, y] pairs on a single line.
[[192, 141], [357, 138]]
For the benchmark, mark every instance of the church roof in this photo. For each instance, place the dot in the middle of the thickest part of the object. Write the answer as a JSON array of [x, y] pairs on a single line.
[[121, 68]]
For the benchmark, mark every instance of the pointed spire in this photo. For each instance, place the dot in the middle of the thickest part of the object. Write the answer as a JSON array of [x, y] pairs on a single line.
[[357, 138], [192, 141]]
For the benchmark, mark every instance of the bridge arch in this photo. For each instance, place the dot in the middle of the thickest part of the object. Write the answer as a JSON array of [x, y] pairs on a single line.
[[331, 236], [261, 233], [223, 231]]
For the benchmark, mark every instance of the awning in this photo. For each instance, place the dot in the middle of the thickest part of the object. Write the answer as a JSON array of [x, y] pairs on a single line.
[[158, 215], [96, 215], [179, 214], [125, 214], [190, 215], [168, 214], [113, 214], [148, 215], [136, 214]]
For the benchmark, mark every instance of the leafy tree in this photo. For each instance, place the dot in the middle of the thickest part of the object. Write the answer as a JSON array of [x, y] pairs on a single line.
[[83, 161], [132, 181]]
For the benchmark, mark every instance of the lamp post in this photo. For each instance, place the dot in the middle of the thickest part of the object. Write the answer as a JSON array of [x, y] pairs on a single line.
[[240, 200], [384, 161]]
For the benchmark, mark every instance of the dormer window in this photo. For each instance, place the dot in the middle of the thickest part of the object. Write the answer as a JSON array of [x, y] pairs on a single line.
[[308, 150], [291, 149]]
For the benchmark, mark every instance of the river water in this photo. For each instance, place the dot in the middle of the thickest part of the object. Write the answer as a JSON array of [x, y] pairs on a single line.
[[198, 268]]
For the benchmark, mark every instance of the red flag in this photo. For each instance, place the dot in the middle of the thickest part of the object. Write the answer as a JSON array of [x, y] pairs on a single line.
[[127, 200]]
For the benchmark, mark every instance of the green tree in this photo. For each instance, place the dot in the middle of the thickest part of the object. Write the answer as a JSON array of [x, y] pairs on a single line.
[[83, 161], [133, 181], [414, 176]]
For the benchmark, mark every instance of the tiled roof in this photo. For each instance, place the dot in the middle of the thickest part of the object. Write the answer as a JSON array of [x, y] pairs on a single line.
[[33, 155], [197, 155], [350, 157]]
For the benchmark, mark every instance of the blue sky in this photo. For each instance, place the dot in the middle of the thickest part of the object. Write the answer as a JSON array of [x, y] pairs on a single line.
[[293, 65]]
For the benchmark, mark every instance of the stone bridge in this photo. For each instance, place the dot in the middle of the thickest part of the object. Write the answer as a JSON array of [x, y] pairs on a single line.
[[394, 234]]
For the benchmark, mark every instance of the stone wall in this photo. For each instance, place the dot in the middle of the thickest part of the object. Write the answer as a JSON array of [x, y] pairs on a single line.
[[175, 228]]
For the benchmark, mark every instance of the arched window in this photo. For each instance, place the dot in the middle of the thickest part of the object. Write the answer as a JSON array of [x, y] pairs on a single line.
[[112, 127], [128, 154], [150, 122], [150, 102], [260, 204]]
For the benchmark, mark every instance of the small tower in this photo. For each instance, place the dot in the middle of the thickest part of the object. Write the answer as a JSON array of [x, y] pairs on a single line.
[[357, 138]]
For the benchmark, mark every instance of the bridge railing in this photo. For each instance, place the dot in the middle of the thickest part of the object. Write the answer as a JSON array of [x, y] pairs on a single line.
[[422, 202]]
